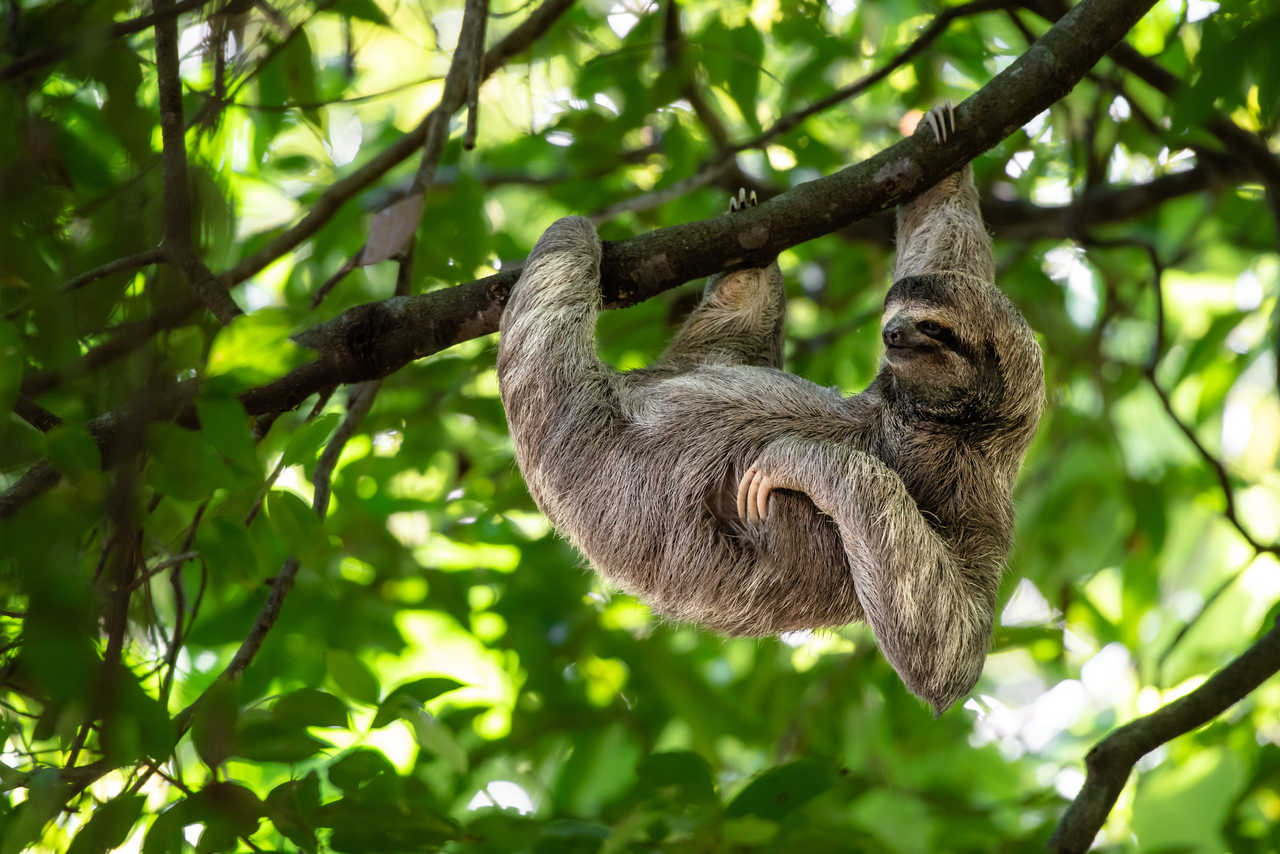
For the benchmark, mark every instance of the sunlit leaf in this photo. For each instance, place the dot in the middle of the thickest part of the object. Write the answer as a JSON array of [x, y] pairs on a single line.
[[353, 676], [411, 697], [109, 825], [310, 707]]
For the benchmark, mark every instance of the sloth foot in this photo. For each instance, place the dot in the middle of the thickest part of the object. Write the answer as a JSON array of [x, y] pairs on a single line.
[[742, 200], [942, 120]]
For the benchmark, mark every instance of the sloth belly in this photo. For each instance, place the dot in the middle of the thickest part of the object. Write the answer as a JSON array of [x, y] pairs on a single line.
[[670, 533]]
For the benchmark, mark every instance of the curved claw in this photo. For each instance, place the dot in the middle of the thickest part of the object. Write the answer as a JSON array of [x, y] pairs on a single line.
[[742, 200], [753, 496], [942, 121]]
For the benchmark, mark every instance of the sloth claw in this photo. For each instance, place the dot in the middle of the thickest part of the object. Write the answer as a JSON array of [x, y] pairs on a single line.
[[942, 121], [753, 496], [742, 200]]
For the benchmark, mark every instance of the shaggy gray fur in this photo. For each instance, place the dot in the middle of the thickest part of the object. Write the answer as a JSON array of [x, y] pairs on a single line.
[[892, 505]]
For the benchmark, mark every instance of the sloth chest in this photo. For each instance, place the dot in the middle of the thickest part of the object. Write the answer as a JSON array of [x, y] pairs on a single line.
[[729, 399]]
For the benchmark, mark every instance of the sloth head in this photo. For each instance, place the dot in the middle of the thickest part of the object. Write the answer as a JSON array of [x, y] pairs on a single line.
[[958, 353]]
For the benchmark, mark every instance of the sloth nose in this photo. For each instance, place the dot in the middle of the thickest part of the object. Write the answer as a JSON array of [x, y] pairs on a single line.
[[894, 334]]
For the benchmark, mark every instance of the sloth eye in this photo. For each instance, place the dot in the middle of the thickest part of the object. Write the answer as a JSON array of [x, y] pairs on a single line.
[[930, 328]]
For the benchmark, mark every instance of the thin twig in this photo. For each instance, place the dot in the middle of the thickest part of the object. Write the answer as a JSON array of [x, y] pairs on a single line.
[[361, 401], [476, 51], [35, 414], [935, 28], [457, 84], [120, 265], [1110, 762], [56, 52], [1191, 623], [329, 202], [177, 194]]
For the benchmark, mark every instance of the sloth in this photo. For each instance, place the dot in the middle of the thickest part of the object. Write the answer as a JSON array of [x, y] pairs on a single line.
[[728, 493]]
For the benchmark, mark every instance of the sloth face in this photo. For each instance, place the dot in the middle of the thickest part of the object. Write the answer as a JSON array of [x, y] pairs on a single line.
[[957, 352]]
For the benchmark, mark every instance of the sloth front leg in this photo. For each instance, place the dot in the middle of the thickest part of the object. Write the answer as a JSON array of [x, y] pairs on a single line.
[[941, 230], [931, 612]]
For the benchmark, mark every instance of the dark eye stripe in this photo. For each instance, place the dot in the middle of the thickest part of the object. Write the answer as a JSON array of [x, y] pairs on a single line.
[[947, 338]]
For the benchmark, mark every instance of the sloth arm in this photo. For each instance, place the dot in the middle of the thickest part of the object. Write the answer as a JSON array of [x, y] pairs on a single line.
[[930, 611]]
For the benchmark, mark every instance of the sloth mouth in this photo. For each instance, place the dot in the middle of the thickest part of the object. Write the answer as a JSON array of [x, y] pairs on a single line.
[[905, 352]]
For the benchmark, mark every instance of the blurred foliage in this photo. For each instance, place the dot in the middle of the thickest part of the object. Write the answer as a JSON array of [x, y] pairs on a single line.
[[445, 675]]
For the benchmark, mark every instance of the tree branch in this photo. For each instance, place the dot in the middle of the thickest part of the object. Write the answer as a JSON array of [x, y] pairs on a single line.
[[1249, 147], [1111, 760], [121, 265], [516, 41], [374, 339], [177, 195], [32, 61], [935, 28]]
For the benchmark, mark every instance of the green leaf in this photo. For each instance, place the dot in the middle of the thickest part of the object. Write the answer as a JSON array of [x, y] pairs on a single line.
[[310, 707], [353, 771], [214, 727], [183, 464], [365, 10], [733, 58], [292, 807], [228, 811], [254, 348], [165, 834], [680, 776], [72, 450], [226, 426], [360, 826], [300, 74], [436, 738], [298, 525], [226, 547], [109, 825], [10, 366], [778, 791], [412, 696], [270, 741], [1011, 637], [307, 440], [353, 676]]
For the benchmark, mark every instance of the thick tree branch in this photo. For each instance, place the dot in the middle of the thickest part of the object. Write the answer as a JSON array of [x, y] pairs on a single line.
[[374, 339], [1112, 759]]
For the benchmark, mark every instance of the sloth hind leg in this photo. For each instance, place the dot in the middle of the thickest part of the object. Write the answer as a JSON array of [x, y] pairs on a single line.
[[738, 322]]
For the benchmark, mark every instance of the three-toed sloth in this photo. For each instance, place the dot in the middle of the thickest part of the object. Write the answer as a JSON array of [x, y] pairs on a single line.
[[726, 492]]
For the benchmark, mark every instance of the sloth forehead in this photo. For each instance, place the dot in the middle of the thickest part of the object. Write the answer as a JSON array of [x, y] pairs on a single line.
[[916, 310], [930, 289]]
